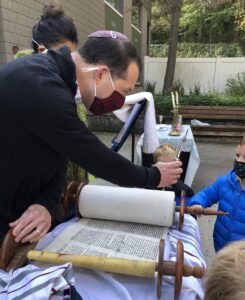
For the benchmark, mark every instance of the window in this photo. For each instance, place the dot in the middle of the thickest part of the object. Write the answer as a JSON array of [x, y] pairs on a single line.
[[136, 6], [117, 4]]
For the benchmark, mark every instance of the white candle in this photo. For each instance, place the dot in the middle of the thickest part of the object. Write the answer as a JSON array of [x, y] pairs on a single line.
[[172, 94], [177, 97]]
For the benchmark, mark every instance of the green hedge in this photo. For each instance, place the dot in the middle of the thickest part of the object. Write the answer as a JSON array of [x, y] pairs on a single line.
[[198, 50], [74, 172], [163, 103]]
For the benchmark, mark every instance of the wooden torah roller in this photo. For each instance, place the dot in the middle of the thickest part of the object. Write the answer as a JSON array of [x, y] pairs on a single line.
[[12, 254], [8, 249], [129, 267], [182, 209], [71, 199], [177, 269]]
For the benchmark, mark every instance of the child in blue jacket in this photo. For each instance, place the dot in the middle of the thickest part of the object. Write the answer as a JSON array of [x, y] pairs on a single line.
[[229, 192]]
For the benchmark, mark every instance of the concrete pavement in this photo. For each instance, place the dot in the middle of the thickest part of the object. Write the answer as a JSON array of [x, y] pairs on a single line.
[[216, 159]]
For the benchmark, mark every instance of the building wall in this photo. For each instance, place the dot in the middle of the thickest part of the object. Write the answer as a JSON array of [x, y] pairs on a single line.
[[127, 16], [2, 55], [17, 18]]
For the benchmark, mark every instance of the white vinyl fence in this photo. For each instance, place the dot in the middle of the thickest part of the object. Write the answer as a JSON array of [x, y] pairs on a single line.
[[210, 73]]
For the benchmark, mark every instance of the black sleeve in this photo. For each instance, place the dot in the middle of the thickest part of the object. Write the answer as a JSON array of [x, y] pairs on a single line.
[[181, 186], [48, 111], [54, 189]]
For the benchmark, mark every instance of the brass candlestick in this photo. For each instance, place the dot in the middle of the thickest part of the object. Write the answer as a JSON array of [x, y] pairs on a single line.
[[175, 122]]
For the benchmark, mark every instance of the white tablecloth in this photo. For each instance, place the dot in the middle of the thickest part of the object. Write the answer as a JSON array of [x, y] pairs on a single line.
[[98, 285], [189, 146]]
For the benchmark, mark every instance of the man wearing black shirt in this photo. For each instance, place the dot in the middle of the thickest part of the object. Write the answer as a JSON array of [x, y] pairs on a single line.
[[40, 130]]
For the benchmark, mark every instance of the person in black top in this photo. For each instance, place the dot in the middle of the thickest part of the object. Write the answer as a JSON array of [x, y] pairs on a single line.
[[54, 29], [40, 129], [167, 153]]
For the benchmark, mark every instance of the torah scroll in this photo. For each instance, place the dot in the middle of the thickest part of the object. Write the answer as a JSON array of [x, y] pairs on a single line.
[[117, 223], [127, 205]]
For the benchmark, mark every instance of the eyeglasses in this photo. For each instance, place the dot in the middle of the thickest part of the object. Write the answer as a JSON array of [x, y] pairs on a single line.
[[108, 34], [36, 42], [89, 69]]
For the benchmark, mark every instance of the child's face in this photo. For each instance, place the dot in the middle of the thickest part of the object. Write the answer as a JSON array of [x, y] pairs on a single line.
[[240, 153]]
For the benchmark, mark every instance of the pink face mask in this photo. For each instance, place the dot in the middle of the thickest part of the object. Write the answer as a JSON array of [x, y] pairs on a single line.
[[105, 105]]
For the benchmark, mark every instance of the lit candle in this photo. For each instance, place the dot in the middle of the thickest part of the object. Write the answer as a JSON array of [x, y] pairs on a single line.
[[177, 97], [173, 100]]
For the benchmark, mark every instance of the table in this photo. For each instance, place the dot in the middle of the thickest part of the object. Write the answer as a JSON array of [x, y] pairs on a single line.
[[98, 285], [189, 147]]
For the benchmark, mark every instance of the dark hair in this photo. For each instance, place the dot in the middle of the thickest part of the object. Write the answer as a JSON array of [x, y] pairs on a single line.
[[117, 54], [53, 27]]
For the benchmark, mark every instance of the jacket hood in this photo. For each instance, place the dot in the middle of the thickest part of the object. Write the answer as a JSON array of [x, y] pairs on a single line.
[[233, 180], [66, 66]]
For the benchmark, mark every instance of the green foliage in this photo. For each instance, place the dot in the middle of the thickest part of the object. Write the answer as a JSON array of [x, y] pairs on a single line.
[[198, 50], [150, 86], [81, 110], [160, 22], [23, 53], [158, 50], [74, 172], [136, 14], [176, 87], [240, 19], [236, 86], [163, 103], [197, 90], [209, 21]]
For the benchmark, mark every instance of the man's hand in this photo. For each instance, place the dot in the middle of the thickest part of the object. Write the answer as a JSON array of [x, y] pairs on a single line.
[[32, 225], [170, 172]]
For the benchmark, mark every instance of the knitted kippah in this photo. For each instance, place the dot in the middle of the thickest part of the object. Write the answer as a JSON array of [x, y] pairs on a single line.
[[108, 34]]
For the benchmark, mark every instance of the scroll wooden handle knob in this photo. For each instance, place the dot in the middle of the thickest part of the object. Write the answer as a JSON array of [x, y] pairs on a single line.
[[179, 267], [194, 210], [197, 272], [71, 196], [184, 270], [8, 249], [70, 193], [204, 211]]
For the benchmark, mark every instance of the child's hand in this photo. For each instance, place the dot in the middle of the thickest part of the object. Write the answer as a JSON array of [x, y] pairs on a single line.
[[196, 206], [197, 209]]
